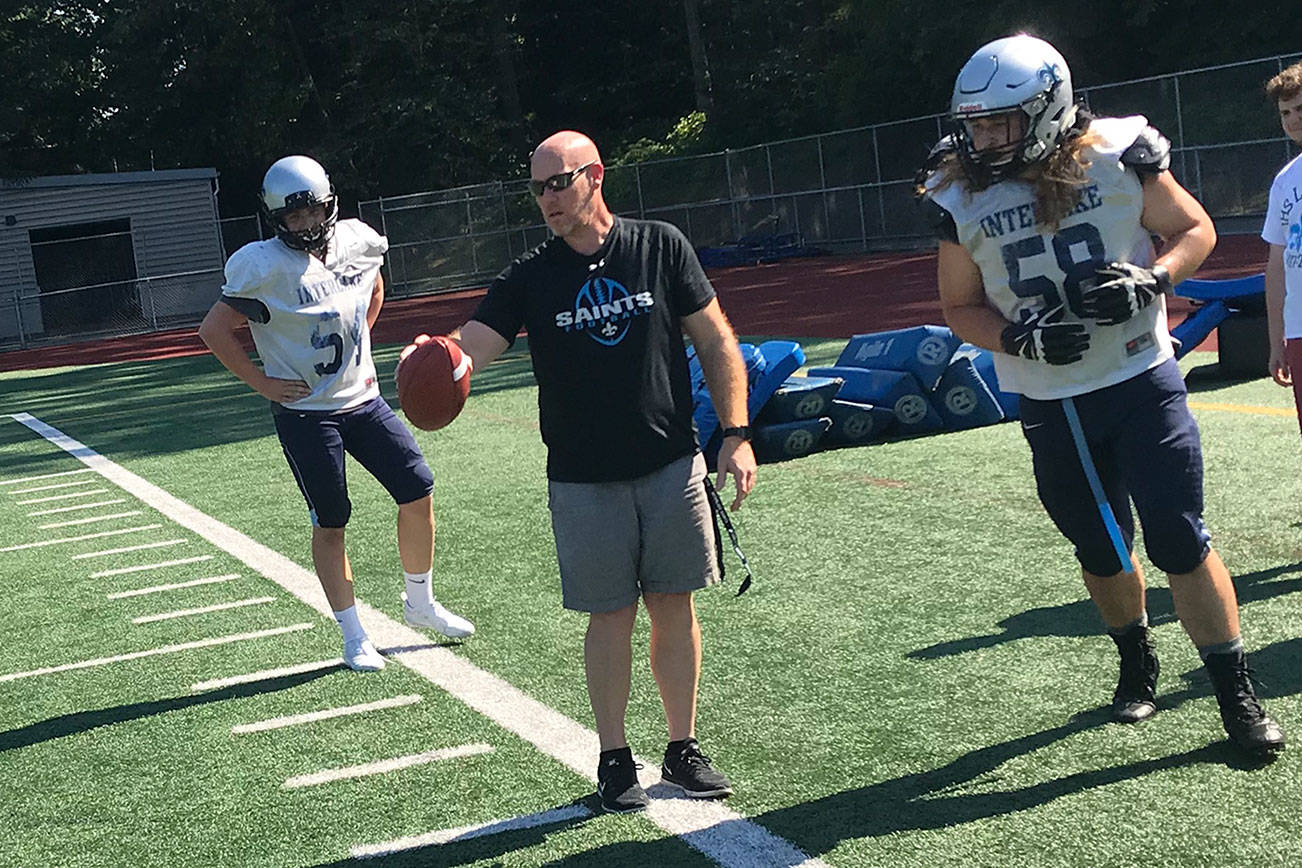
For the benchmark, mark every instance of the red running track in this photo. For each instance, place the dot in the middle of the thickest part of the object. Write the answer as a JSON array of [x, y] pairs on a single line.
[[823, 297]]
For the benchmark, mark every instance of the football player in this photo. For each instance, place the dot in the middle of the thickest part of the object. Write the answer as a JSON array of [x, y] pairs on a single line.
[[1045, 216], [310, 296]]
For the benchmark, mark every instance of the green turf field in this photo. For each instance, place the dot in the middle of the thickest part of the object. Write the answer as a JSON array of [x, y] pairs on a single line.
[[916, 678]]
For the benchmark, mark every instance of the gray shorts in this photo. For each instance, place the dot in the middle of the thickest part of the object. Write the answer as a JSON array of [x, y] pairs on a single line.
[[618, 540]]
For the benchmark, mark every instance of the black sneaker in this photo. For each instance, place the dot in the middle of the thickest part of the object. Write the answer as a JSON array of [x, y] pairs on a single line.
[[617, 785], [688, 769], [1136, 696], [1245, 720]]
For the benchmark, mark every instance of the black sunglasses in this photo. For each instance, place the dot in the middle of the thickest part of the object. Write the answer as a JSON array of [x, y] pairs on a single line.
[[558, 181]]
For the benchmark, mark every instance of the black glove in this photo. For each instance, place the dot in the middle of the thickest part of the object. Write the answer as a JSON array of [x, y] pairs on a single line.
[[1122, 290], [1043, 336]]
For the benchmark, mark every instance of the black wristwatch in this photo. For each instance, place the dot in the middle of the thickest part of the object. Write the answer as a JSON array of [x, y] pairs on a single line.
[[742, 431]]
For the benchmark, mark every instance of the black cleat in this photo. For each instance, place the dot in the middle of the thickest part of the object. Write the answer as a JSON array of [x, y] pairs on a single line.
[[1136, 696], [688, 769], [1246, 722], [617, 785]]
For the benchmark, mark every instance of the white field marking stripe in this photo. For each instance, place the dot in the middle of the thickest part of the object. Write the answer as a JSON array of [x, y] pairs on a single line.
[[140, 592], [327, 714], [153, 652], [53, 510], [152, 545], [203, 610], [712, 828], [88, 520], [265, 674], [43, 475], [140, 568], [478, 830], [68, 539], [383, 766], [56, 485], [54, 497]]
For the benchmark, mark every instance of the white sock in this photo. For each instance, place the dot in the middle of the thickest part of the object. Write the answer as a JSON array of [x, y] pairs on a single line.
[[349, 624], [419, 588]]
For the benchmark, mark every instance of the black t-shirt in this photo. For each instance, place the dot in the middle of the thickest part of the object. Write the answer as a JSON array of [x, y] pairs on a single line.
[[614, 396]]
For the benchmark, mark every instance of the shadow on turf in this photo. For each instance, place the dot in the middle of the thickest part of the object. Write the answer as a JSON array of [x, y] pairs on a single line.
[[965, 790], [484, 847], [1081, 618], [82, 721]]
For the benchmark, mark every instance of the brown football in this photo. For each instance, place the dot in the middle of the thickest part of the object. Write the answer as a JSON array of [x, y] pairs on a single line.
[[433, 382]]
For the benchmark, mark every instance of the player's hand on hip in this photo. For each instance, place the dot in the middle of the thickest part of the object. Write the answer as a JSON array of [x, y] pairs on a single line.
[[1279, 370], [1044, 337], [283, 391], [1120, 290], [738, 458]]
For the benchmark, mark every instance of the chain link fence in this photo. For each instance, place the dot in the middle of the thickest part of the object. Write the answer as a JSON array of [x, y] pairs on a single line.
[[846, 191]]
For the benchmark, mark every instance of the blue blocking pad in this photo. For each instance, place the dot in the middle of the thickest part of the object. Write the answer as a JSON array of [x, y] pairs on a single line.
[[984, 362], [1195, 329], [800, 398], [854, 423], [786, 440], [923, 351], [964, 399], [750, 355], [772, 362], [896, 390]]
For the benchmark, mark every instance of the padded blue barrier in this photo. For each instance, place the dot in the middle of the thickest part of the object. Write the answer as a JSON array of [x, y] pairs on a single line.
[[800, 398], [1196, 327], [898, 390], [750, 354], [787, 440], [964, 399], [1221, 297], [984, 362], [854, 424], [781, 359], [923, 351]]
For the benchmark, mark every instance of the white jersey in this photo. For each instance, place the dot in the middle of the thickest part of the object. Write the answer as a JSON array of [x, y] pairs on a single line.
[[315, 313], [1025, 266], [1283, 227]]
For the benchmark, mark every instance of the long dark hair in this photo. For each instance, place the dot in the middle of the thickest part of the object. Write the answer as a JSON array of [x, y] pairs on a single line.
[[1057, 179]]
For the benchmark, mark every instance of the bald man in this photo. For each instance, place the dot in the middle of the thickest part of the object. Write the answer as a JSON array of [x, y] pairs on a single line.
[[605, 302]]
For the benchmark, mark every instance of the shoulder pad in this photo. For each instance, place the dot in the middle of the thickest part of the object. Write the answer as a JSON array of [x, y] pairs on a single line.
[[1149, 154], [938, 220]]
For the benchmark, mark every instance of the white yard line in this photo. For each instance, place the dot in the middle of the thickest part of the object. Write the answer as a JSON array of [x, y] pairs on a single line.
[[465, 833], [77, 507], [385, 766], [71, 539], [203, 610], [140, 592], [326, 714], [153, 652], [43, 475], [56, 485], [709, 826], [266, 674], [141, 568], [87, 493], [88, 520], [142, 546]]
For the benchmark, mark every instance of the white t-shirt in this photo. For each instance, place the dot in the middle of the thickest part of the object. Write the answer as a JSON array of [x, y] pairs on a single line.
[[1024, 265], [1283, 227], [315, 328]]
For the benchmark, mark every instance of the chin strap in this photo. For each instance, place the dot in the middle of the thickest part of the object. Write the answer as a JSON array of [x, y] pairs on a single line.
[[721, 514]]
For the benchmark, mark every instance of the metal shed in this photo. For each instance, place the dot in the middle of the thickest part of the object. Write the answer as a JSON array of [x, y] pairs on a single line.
[[97, 254]]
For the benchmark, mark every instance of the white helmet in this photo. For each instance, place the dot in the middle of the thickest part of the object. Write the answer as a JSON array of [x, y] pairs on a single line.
[[1016, 72], [293, 183]]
